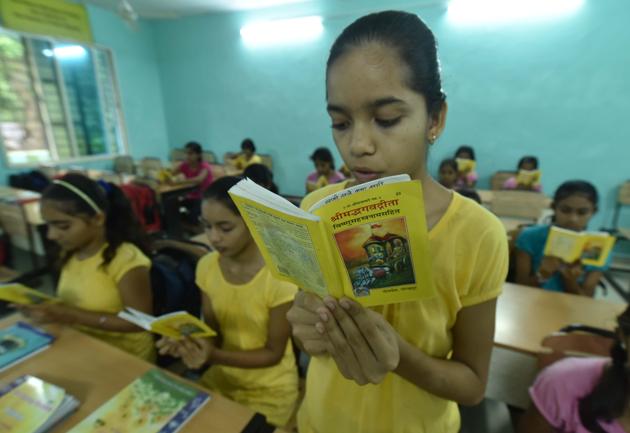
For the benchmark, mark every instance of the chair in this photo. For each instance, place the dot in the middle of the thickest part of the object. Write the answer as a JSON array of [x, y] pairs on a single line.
[[499, 178], [150, 167], [623, 199], [124, 164], [266, 160], [576, 340], [177, 155], [209, 157], [519, 204]]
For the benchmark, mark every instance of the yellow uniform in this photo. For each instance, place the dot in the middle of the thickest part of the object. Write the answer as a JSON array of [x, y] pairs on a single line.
[[242, 163], [469, 253], [88, 285], [242, 312]]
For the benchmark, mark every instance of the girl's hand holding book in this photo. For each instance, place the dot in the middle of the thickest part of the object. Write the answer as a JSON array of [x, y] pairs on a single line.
[[303, 316], [194, 352], [362, 343]]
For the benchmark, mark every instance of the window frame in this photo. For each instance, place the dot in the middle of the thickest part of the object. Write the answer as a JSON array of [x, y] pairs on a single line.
[[36, 84]]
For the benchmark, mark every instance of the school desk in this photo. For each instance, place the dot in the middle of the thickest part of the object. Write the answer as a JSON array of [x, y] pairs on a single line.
[[94, 371], [526, 315]]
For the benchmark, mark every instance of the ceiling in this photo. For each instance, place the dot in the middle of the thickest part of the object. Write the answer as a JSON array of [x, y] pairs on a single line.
[[178, 8]]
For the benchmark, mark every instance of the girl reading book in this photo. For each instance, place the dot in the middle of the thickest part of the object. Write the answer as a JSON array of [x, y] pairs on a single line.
[[527, 177], [401, 367], [103, 266], [252, 360], [579, 395], [574, 204], [325, 173], [466, 163]]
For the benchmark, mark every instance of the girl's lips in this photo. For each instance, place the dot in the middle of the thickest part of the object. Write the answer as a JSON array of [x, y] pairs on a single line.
[[365, 175]]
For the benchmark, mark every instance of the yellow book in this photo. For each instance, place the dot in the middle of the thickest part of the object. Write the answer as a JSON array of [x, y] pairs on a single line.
[[30, 405], [528, 177], [153, 403], [591, 248], [368, 243], [465, 165], [20, 294], [173, 325]]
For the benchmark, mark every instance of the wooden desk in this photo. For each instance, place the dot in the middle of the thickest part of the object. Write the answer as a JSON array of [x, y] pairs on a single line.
[[94, 371], [514, 223], [525, 315]]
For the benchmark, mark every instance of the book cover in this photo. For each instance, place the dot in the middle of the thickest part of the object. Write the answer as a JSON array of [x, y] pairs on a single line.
[[20, 294], [30, 405], [173, 325], [528, 177], [21, 341], [465, 165], [368, 242], [153, 403], [591, 248]]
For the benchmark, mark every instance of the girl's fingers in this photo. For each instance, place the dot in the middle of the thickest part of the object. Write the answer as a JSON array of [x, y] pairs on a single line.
[[375, 338], [347, 342]]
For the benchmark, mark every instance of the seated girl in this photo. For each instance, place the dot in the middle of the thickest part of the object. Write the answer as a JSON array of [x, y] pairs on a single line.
[[574, 204], [252, 360], [581, 395], [103, 266], [325, 173], [528, 176], [466, 165]]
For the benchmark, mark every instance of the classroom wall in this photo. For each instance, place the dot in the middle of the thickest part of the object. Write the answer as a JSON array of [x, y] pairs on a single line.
[[139, 83], [556, 89]]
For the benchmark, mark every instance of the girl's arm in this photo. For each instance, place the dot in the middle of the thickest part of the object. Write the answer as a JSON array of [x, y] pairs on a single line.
[[533, 422], [571, 275], [197, 179], [366, 347], [135, 291], [524, 274]]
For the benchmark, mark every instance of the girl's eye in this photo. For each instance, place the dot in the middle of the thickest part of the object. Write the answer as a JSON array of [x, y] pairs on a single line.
[[340, 126], [227, 229], [387, 123]]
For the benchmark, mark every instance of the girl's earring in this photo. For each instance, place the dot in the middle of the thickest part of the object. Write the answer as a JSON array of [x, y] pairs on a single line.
[[432, 139]]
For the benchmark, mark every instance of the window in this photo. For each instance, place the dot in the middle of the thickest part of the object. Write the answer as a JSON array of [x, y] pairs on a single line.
[[58, 101]]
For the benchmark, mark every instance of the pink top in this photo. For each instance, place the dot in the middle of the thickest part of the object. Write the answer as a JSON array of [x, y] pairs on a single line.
[[511, 183], [335, 177], [189, 173], [559, 387], [467, 181]]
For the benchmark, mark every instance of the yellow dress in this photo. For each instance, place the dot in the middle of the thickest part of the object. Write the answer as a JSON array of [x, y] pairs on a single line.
[[87, 285], [241, 163], [470, 258], [242, 312]]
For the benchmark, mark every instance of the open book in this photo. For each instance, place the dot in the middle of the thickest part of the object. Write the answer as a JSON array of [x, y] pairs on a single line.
[[528, 177], [465, 165], [591, 248], [20, 294], [368, 242], [174, 325]]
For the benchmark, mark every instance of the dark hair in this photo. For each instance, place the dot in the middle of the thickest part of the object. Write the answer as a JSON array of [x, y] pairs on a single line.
[[609, 398], [448, 162], [218, 191], [324, 155], [528, 160], [576, 187], [261, 174], [193, 146], [121, 223], [414, 43], [470, 193], [465, 148], [248, 143]]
